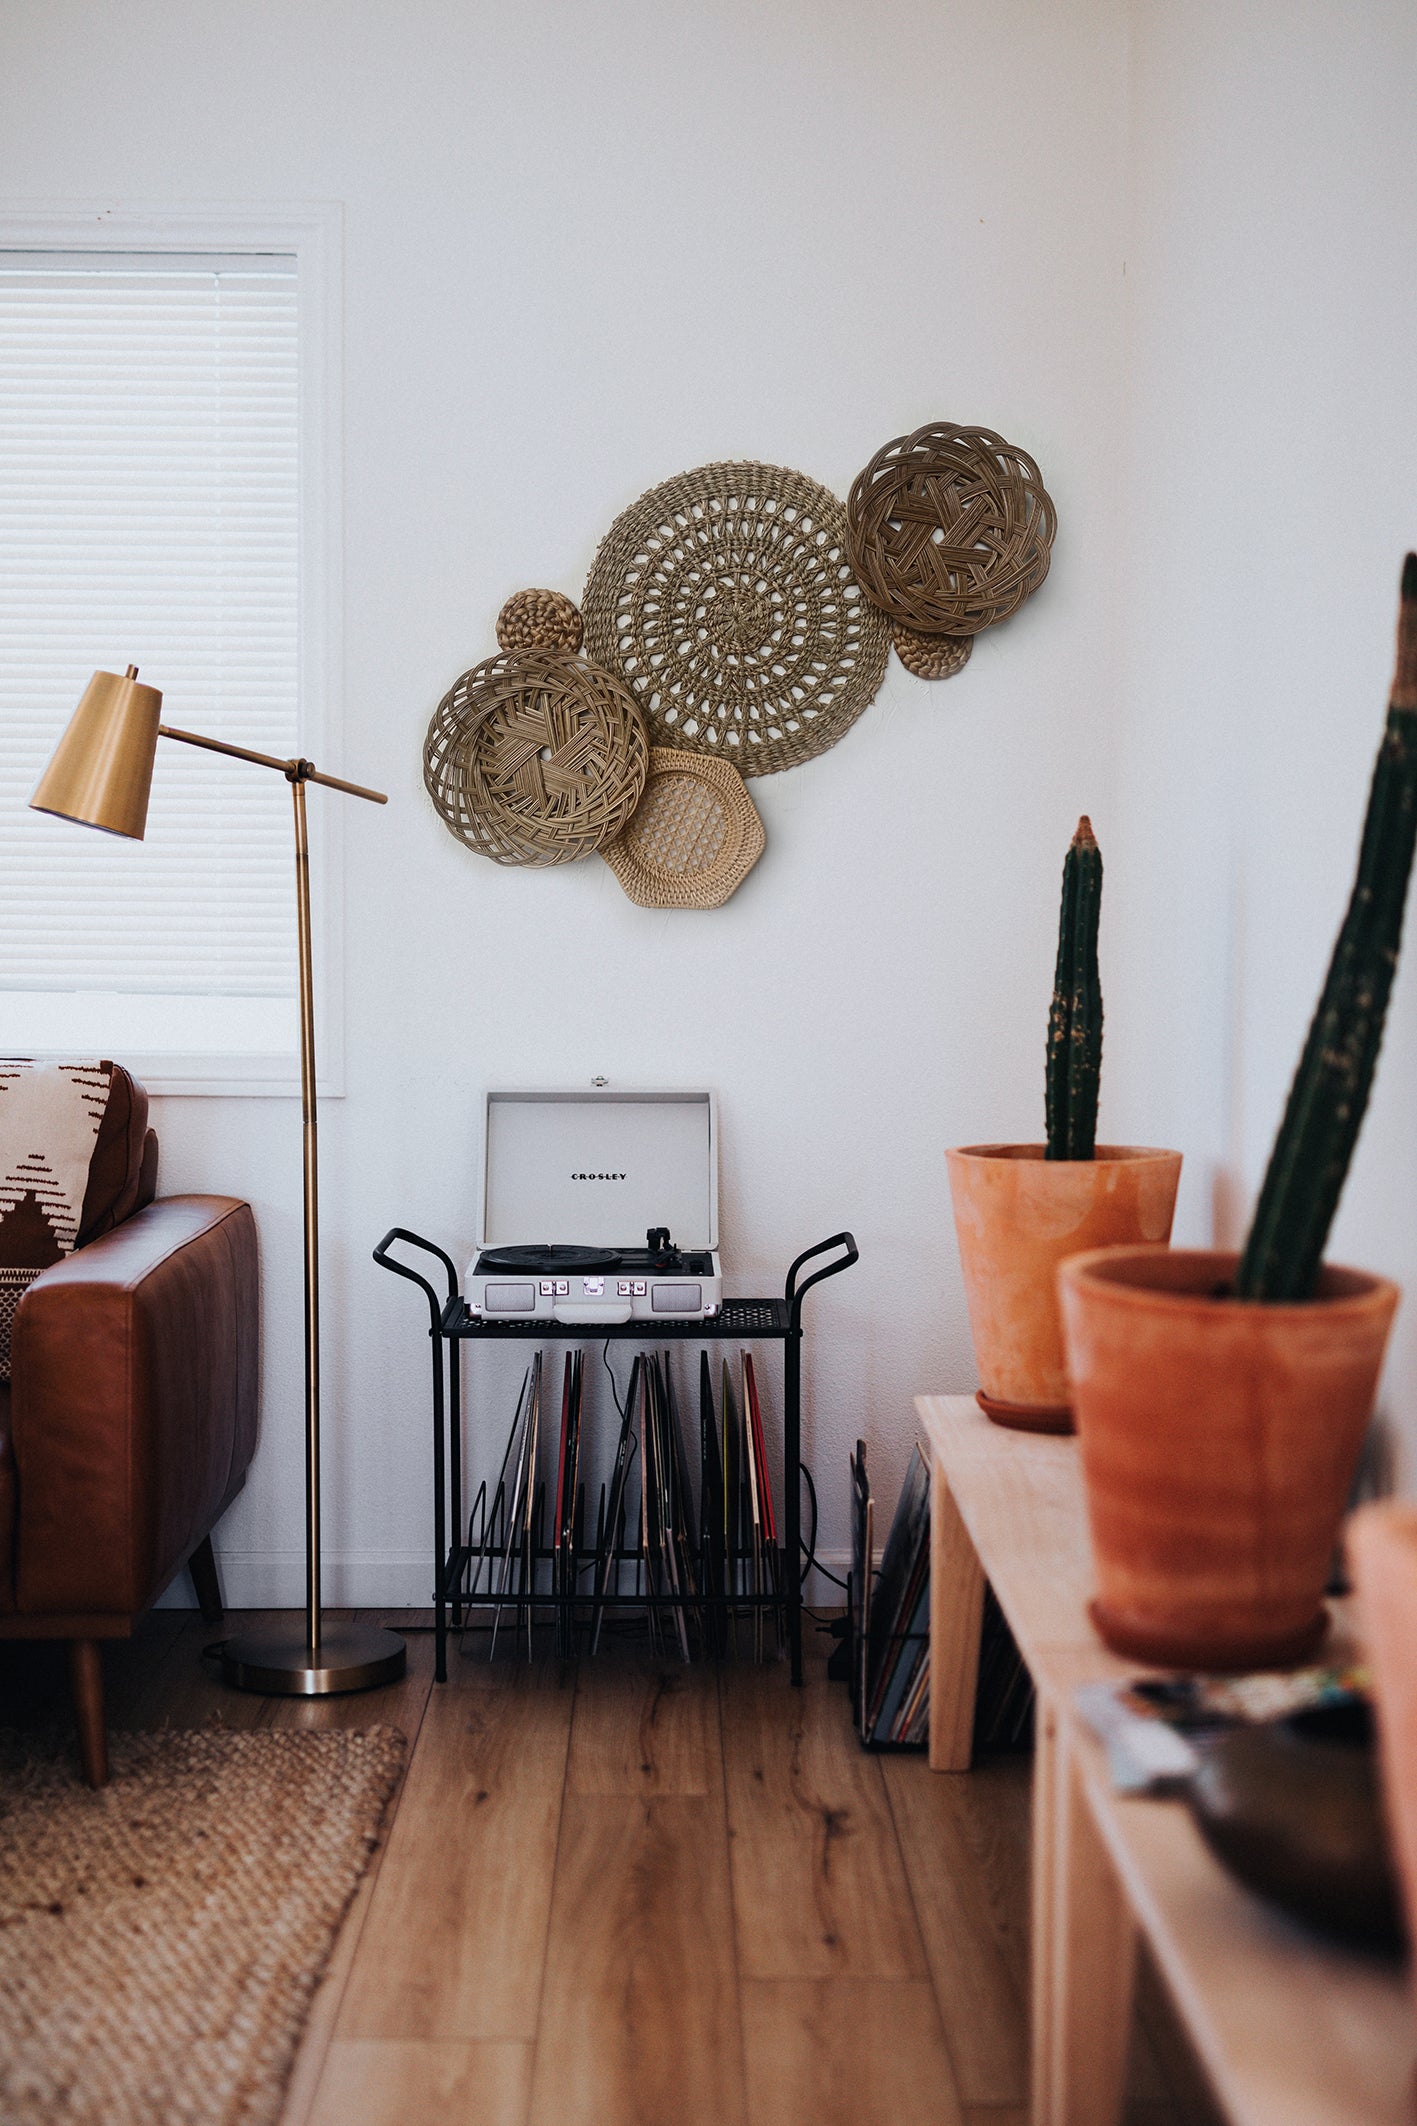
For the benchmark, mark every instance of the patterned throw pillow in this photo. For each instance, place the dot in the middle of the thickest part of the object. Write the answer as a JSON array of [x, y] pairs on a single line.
[[49, 1120]]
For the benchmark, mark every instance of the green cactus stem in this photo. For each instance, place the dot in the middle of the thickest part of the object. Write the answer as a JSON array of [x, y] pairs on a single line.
[[1310, 1160], [1075, 1016]]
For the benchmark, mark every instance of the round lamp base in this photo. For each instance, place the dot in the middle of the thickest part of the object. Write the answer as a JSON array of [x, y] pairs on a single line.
[[281, 1664]]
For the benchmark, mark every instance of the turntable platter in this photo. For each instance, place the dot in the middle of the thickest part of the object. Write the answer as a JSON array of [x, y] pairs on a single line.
[[543, 1258]]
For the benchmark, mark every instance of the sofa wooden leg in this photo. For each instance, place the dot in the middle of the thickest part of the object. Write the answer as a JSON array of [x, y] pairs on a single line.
[[206, 1584], [86, 1683]]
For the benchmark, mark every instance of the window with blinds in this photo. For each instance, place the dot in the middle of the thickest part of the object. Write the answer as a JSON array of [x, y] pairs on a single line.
[[150, 514]]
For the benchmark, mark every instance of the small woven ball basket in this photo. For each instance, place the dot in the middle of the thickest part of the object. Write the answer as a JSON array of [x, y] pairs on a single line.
[[539, 620], [535, 757], [694, 837]]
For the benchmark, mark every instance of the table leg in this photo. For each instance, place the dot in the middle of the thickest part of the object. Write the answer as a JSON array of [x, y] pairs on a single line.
[[1084, 1947], [956, 1610]]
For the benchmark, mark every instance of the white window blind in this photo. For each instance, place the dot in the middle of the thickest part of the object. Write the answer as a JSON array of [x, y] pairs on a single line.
[[150, 514]]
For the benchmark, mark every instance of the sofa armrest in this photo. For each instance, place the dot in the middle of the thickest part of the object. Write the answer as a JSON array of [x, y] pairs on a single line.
[[134, 1381]]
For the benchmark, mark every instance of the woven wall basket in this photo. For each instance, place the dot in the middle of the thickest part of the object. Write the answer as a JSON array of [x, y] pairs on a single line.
[[535, 758], [950, 529], [726, 601], [539, 620], [694, 837], [931, 656]]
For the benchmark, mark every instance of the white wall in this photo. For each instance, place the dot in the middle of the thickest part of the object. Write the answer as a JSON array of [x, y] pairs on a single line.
[[1272, 312], [588, 245]]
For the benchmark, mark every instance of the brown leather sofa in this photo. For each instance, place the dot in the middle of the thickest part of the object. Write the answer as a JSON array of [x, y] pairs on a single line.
[[130, 1418]]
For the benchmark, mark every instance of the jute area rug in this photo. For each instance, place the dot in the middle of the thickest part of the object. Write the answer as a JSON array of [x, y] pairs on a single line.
[[160, 1941]]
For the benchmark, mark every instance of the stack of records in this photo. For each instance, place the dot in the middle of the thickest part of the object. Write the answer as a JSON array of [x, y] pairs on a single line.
[[895, 1686], [703, 1567]]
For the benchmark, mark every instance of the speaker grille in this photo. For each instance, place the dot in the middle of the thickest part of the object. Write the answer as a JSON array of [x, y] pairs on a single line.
[[509, 1298]]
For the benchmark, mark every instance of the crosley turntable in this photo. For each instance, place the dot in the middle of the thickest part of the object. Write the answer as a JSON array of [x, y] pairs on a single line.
[[625, 1186]]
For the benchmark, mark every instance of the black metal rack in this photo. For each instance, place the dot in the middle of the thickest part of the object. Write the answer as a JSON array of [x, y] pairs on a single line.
[[894, 1642], [450, 1323]]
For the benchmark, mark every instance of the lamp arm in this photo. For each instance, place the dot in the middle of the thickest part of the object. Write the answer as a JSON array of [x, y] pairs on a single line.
[[292, 770]]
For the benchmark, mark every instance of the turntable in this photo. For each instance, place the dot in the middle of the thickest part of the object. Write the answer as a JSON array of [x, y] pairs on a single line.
[[599, 1170]]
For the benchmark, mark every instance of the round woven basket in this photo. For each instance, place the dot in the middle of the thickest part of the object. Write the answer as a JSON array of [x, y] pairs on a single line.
[[726, 601], [950, 529], [535, 758], [539, 620], [694, 837], [931, 656]]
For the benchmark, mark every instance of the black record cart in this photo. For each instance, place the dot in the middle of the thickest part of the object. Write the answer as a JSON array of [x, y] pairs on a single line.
[[743, 1320]]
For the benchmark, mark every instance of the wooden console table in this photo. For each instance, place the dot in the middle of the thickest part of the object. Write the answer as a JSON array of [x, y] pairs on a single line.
[[1291, 2032]]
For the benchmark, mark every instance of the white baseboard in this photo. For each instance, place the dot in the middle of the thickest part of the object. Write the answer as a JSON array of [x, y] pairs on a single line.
[[275, 1579]]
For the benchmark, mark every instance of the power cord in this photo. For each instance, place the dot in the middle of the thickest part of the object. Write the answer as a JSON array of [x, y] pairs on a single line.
[[809, 1548]]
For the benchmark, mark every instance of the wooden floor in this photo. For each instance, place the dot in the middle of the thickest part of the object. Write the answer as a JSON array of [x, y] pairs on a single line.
[[643, 1893]]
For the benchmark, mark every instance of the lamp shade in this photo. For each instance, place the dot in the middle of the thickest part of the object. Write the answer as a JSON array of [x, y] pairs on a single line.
[[102, 768]]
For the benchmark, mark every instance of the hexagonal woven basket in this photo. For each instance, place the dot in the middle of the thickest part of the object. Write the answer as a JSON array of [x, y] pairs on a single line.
[[694, 837], [726, 602], [534, 757], [950, 529]]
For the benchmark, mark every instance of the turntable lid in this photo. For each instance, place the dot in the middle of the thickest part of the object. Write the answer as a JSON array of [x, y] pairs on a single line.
[[598, 1169]]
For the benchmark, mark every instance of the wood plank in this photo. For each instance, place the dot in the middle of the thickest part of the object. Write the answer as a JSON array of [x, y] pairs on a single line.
[[643, 1726], [965, 1840], [187, 1691], [1087, 1964], [819, 1888], [1165, 2073], [130, 1664], [392, 2082], [399, 1705], [845, 2052], [956, 1609], [455, 1936], [639, 2018], [1044, 1904]]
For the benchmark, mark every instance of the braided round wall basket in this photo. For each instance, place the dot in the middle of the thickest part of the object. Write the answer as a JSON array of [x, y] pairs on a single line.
[[726, 601], [539, 620], [533, 757], [931, 656], [694, 837], [950, 529]]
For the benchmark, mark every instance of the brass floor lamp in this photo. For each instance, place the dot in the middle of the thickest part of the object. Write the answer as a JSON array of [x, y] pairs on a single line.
[[100, 775]]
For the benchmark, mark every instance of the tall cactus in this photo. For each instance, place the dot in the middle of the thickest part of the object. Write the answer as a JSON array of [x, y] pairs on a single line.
[[1075, 1017], [1309, 1163]]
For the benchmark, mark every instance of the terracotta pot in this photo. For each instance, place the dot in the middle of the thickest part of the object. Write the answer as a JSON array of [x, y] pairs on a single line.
[[1219, 1438], [1382, 1551], [1017, 1215]]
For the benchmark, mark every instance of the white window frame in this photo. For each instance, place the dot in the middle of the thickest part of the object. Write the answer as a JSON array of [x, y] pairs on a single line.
[[313, 235]]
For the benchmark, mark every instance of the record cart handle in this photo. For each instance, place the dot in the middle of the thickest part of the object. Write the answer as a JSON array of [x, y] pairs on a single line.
[[415, 1240], [447, 1399], [794, 1294]]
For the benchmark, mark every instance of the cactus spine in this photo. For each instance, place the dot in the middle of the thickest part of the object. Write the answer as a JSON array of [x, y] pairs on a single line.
[[1075, 1017], [1311, 1155]]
